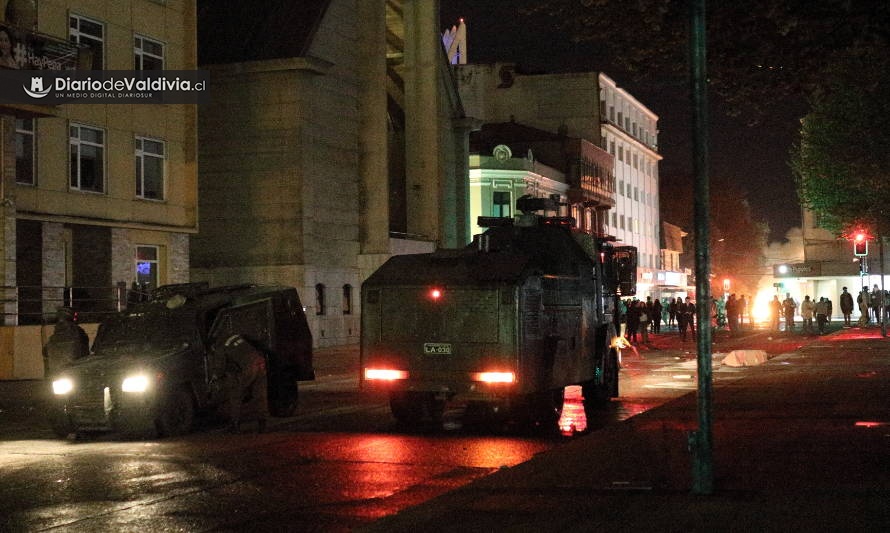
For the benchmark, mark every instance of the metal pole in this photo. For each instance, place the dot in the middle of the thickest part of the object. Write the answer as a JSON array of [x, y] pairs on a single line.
[[881, 301], [700, 440]]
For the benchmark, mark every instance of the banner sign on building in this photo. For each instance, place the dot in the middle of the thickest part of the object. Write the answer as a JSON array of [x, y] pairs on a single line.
[[797, 270], [25, 50]]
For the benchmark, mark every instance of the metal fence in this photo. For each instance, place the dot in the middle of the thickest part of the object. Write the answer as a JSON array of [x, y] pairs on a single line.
[[31, 305]]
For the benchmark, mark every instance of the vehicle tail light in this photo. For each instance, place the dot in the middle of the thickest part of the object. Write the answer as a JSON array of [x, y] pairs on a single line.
[[385, 374], [495, 377]]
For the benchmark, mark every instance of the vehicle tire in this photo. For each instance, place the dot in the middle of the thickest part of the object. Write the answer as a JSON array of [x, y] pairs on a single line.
[[177, 414], [283, 397], [539, 410], [60, 423], [598, 391], [411, 408]]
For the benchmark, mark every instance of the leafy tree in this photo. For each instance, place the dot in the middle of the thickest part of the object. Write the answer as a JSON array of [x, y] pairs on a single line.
[[759, 51], [842, 161], [737, 237]]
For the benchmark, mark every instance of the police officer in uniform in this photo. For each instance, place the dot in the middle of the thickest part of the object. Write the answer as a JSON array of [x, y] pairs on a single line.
[[244, 383], [68, 342]]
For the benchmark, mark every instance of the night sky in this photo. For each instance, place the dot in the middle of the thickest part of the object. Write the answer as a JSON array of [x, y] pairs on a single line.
[[754, 156]]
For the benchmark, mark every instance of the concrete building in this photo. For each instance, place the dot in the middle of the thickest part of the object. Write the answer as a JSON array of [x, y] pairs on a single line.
[[335, 138], [510, 160], [588, 106], [828, 265], [95, 195]]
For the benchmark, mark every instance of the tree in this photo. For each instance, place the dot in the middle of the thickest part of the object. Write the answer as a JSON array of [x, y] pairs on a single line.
[[842, 161], [737, 238], [759, 51]]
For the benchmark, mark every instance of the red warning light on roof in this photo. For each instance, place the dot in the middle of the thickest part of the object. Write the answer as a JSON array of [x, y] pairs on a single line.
[[435, 294]]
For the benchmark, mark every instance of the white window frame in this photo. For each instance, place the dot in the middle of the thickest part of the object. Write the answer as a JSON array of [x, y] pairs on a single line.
[[77, 143], [32, 133], [141, 156], [140, 53], [75, 34], [500, 207]]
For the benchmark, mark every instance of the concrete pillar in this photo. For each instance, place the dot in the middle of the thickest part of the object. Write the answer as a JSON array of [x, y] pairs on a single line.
[[372, 102], [7, 216], [462, 233], [423, 117]]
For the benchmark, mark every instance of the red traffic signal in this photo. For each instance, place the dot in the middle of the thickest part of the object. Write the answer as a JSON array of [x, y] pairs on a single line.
[[860, 245]]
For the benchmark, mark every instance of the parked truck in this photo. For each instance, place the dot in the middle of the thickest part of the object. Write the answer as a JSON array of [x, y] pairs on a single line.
[[153, 367], [525, 310]]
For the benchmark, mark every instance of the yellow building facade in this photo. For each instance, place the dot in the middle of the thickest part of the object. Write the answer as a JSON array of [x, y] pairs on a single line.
[[98, 196]]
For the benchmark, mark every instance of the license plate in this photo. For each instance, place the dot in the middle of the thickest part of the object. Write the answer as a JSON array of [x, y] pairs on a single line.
[[437, 348]]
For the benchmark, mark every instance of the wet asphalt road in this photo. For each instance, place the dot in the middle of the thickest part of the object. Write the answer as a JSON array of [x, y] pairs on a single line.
[[340, 463]]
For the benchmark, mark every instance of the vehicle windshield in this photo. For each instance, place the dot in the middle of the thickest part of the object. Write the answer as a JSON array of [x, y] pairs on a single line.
[[151, 330]]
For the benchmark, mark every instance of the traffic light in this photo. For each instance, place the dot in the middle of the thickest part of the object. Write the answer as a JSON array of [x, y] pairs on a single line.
[[860, 245]]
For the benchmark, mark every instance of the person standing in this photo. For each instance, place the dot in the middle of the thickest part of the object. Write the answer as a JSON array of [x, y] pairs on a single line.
[[775, 310], [68, 343], [807, 309], [876, 302], [689, 312], [743, 310], [672, 310], [863, 300], [822, 314], [732, 313], [244, 382], [846, 306], [788, 307], [656, 316], [633, 319]]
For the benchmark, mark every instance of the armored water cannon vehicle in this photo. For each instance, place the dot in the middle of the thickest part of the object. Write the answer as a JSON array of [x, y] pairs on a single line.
[[528, 308]]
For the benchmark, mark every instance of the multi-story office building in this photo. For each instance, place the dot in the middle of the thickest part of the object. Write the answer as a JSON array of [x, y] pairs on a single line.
[[96, 195]]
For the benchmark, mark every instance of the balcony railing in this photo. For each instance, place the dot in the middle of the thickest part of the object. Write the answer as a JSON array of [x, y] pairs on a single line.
[[33, 305]]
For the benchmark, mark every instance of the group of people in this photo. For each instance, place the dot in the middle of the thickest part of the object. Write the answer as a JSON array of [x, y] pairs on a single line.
[[641, 317], [870, 305]]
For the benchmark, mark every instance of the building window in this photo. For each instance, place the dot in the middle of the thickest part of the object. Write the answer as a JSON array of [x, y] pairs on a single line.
[[87, 151], [150, 159], [320, 308], [636, 194], [621, 187], [621, 153], [25, 148], [347, 299], [612, 147], [500, 204], [614, 220], [621, 220], [147, 266], [148, 53], [82, 30]]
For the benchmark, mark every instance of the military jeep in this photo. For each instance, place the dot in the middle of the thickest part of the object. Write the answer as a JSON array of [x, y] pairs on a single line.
[[153, 367]]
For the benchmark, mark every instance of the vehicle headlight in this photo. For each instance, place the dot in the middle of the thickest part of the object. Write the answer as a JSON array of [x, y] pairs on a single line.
[[62, 386], [138, 383]]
